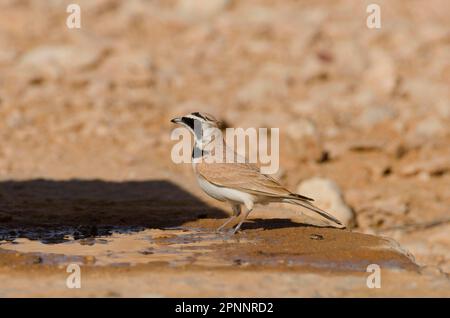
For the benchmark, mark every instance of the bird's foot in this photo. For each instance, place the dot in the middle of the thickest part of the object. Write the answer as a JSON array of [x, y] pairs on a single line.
[[236, 229], [219, 230]]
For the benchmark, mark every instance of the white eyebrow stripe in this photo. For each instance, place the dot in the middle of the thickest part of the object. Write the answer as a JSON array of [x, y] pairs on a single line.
[[200, 115], [194, 117]]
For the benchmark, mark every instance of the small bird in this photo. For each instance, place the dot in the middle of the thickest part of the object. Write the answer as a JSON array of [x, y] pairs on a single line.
[[238, 183]]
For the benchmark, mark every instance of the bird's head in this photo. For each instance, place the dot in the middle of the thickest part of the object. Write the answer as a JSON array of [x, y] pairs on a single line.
[[198, 123]]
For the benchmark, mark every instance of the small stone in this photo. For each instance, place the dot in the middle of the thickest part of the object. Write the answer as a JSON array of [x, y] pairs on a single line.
[[324, 157], [366, 145], [89, 260], [37, 260], [317, 237], [147, 252]]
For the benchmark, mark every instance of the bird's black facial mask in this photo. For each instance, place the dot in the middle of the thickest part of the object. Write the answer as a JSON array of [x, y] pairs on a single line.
[[194, 125], [189, 122]]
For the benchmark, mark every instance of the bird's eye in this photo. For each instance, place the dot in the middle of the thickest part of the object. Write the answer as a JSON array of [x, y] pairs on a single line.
[[188, 121]]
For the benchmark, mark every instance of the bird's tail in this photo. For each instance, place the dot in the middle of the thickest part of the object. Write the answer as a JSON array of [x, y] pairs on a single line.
[[308, 205]]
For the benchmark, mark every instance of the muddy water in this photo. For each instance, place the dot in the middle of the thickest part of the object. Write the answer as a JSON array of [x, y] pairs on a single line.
[[175, 247]]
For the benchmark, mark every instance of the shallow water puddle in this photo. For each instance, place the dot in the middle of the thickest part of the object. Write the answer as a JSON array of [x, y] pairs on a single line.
[[176, 247]]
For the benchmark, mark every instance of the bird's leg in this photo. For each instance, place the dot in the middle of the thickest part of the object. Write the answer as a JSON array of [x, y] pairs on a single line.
[[246, 213], [236, 213]]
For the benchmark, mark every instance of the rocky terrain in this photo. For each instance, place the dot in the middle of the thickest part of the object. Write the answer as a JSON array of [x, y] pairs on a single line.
[[85, 152]]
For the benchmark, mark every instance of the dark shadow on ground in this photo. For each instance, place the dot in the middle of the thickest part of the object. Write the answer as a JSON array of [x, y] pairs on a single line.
[[49, 210], [268, 224]]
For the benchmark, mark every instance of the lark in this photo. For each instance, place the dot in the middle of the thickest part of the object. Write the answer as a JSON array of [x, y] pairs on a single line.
[[238, 182]]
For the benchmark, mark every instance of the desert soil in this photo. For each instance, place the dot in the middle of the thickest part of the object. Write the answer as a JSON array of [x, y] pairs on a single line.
[[86, 175]]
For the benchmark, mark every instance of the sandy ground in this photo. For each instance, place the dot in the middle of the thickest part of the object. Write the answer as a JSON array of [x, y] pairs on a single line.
[[86, 175], [281, 262]]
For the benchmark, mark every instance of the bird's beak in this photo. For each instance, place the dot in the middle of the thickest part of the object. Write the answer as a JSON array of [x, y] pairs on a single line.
[[176, 120]]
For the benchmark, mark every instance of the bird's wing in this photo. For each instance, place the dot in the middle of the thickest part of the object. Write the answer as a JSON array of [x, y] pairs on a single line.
[[246, 177]]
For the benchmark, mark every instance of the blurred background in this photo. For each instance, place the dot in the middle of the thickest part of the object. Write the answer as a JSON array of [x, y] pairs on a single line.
[[365, 109]]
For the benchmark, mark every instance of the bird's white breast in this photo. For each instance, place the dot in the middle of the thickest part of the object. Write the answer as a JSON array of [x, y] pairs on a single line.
[[224, 194]]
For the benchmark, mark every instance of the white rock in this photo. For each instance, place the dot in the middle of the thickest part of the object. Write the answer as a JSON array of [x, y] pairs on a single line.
[[328, 196]]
